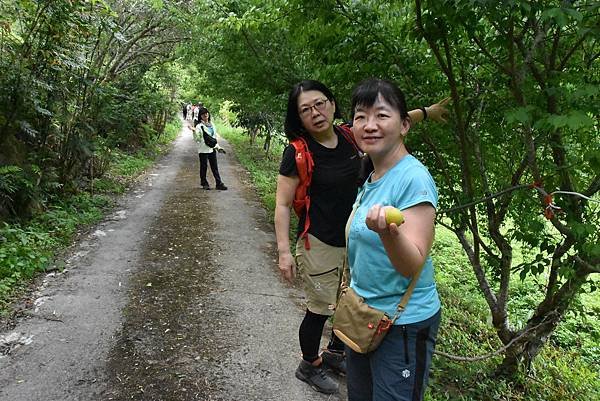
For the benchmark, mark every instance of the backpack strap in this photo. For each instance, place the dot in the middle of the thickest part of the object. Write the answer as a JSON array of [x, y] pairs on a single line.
[[347, 133], [305, 166]]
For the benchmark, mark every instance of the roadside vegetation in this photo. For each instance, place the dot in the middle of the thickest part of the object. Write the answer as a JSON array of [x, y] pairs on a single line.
[[88, 91], [567, 369], [28, 248]]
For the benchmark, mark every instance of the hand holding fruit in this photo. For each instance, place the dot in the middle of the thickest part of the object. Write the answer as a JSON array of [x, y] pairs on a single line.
[[384, 219]]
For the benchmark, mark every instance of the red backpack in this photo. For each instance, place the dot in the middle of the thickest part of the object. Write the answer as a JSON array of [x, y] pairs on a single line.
[[305, 166]]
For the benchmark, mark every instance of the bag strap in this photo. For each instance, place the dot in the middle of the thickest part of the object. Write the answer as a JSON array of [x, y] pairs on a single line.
[[204, 132], [305, 166], [346, 131], [346, 268], [405, 298]]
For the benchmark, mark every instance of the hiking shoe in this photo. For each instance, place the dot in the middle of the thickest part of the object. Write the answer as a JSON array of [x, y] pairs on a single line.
[[205, 187], [222, 187], [335, 361], [316, 377]]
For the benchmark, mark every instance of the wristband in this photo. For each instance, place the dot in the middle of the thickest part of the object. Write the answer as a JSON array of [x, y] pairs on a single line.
[[424, 110]]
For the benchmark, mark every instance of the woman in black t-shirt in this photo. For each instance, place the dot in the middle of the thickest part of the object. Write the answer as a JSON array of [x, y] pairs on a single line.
[[310, 115]]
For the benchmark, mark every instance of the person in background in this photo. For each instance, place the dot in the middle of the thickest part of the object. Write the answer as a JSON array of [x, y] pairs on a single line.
[[384, 257], [195, 114], [206, 154], [189, 111], [311, 111]]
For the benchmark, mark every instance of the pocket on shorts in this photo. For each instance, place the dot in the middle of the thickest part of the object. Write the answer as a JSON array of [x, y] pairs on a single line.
[[321, 291], [320, 270]]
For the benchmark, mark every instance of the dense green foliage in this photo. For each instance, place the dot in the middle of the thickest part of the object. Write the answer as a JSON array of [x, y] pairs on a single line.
[[30, 247], [77, 80], [86, 91], [567, 370], [523, 77]]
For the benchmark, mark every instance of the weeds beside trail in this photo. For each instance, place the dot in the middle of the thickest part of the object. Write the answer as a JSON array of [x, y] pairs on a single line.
[[27, 248]]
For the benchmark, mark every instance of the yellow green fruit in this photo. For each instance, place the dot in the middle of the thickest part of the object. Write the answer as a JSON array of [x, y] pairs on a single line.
[[393, 215]]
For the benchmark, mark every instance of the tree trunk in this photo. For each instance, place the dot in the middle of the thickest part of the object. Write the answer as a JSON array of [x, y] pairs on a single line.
[[253, 134], [267, 144], [519, 356]]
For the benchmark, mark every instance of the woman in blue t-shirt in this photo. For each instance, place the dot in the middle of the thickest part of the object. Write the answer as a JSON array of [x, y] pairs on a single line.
[[311, 112], [383, 257]]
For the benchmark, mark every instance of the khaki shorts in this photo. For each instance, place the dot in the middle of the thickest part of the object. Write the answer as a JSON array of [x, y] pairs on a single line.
[[320, 269]]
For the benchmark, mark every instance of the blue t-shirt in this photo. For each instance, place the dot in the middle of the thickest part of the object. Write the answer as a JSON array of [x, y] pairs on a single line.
[[374, 278]]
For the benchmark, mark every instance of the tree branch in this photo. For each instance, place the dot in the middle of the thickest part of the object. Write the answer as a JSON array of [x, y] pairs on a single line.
[[528, 55], [122, 53], [503, 203], [590, 267], [428, 38], [551, 62], [571, 51], [487, 53], [144, 51]]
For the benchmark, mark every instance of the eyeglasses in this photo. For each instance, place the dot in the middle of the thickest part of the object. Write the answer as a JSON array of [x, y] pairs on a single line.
[[319, 106]]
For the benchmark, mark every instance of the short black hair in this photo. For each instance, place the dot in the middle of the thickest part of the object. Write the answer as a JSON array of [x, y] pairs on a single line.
[[292, 126], [366, 92], [204, 110]]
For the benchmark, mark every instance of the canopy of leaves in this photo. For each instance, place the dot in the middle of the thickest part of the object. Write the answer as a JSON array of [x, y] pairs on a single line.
[[77, 77]]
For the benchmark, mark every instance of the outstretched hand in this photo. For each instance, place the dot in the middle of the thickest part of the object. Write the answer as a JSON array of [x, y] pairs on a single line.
[[438, 111]]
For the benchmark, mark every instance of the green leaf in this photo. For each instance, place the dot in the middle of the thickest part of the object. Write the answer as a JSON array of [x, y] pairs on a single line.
[[585, 91], [558, 121], [520, 114], [157, 4], [577, 120], [523, 275], [593, 157], [557, 14], [575, 14]]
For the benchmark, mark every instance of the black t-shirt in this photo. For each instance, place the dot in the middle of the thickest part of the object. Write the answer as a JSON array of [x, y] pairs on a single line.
[[333, 188]]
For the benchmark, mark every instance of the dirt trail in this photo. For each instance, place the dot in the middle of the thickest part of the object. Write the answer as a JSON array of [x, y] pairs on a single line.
[[174, 297]]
